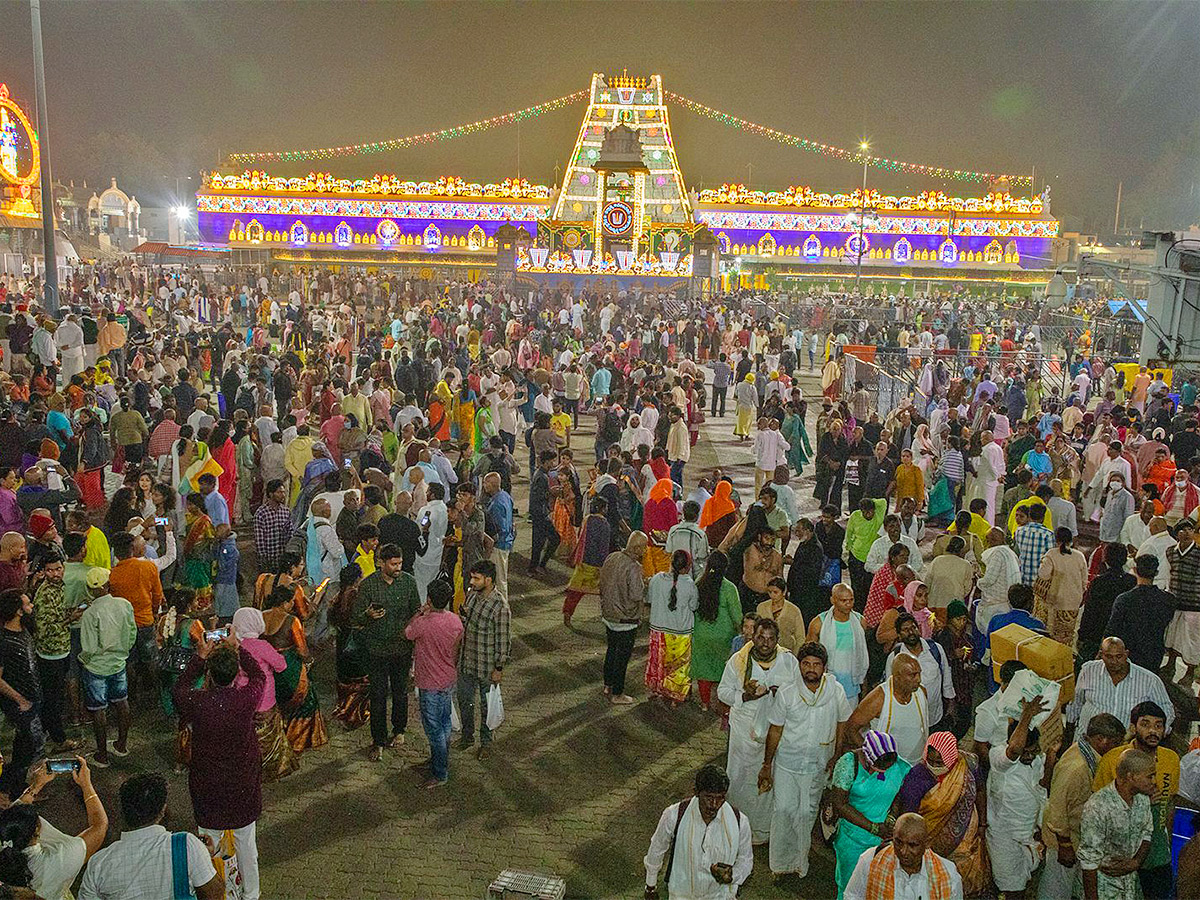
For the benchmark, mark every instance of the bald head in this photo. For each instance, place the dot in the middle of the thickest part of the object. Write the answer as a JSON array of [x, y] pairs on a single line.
[[403, 503], [635, 544], [910, 840], [12, 545], [995, 537], [1158, 525]]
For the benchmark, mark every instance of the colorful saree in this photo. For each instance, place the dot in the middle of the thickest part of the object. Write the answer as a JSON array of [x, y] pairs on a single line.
[[296, 697], [199, 552], [669, 665], [278, 758], [949, 809]]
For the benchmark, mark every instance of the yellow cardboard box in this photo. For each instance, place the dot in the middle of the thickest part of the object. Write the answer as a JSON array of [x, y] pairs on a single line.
[[1047, 657]]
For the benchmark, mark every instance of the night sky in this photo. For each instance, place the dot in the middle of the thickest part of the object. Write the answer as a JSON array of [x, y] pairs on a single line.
[[1088, 93]]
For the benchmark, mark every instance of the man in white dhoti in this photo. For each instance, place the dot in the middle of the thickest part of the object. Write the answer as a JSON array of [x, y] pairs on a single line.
[[1016, 797], [434, 520], [989, 473], [703, 842], [806, 728], [748, 687], [69, 340]]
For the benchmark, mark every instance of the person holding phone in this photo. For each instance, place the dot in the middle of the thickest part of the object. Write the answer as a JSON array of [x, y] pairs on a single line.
[[35, 854]]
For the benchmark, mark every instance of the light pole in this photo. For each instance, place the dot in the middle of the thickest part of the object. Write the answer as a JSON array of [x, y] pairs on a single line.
[[863, 146], [50, 276]]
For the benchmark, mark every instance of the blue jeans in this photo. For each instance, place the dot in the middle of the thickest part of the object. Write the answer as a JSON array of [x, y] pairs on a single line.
[[435, 717], [677, 471]]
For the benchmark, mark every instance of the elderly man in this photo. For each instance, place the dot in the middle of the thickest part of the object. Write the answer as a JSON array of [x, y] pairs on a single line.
[[704, 842], [990, 470], [622, 595], [1114, 685], [1070, 789], [905, 869], [893, 534], [748, 688], [1115, 830], [1001, 570], [897, 707], [1183, 634], [807, 721]]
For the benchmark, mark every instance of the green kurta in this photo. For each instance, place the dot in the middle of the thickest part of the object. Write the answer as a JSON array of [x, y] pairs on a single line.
[[711, 641]]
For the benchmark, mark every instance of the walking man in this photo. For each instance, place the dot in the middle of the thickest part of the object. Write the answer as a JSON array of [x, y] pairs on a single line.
[[486, 644], [622, 595]]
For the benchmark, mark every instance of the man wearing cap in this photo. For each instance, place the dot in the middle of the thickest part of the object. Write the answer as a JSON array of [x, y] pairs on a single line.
[[107, 633], [45, 546]]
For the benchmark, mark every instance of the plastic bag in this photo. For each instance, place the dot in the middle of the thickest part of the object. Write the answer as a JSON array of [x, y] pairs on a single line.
[[495, 708], [455, 717], [1027, 685]]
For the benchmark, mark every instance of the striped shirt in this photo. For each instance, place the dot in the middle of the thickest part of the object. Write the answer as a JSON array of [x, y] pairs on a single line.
[[1185, 577], [1033, 541], [1095, 693], [952, 466]]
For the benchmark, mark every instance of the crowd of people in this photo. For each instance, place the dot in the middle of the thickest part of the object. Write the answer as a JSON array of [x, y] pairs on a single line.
[[207, 479]]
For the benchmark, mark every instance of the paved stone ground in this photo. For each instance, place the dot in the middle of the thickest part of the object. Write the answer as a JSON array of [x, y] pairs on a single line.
[[573, 786]]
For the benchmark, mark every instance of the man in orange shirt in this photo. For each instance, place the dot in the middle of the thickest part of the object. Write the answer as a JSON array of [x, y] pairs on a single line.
[[137, 580]]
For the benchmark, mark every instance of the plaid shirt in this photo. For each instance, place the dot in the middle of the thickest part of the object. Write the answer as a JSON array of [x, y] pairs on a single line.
[[272, 529], [486, 637], [1033, 541]]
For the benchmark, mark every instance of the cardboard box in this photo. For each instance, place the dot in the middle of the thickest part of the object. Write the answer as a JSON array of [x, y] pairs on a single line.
[[1047, 657]]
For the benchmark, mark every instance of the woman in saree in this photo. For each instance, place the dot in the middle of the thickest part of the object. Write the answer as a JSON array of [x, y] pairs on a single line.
[[353, 693], [224, 453], [485, 429], [93, 456], [673, 602], [659, 516], [719, 513], [278, 759], [718, 619], [294, 692], [562, 514], [291, 574], [199, 550], [863, 789], [796, 435], [591, 551], [942, 788], [463, 415], [181, 627]]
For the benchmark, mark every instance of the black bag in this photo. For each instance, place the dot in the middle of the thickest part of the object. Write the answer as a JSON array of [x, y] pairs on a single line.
[[174, 657]]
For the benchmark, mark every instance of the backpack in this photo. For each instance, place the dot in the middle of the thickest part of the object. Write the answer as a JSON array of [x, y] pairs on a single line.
[[610, 430], [175, 655]]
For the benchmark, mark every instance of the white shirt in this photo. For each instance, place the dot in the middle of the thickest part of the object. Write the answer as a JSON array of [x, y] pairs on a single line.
[[1134, 532], [54, 861], [1015, 795], [908, 887], [877, 555], [543, 403], [990, 728], [691, 873], [1095, 693], [138, 867], [1002, 569], [809, 721], [931, 676], [1157, 545]]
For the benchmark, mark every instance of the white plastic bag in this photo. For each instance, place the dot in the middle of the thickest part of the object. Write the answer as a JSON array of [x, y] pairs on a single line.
[[495, 710], [1026, 685], [455, 718]]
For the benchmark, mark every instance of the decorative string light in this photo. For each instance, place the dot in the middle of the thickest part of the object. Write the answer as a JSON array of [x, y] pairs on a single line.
[[446, 134], [878, 162]]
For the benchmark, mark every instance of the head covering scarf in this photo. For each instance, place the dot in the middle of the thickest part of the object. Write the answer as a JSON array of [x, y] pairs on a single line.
[[922, 616], [718, 505], [946, 744], [663, 489], [248, 622], [48, 449], [877, 744]]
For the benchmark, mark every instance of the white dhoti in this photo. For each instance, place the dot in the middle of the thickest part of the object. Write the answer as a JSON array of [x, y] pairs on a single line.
[[1183, 636], [424, 574], [72, 364], [91, 353], [1013, 861], [743, 765], [796, 806]]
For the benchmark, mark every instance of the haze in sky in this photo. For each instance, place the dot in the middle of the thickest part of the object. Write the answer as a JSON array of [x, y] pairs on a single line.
[[1089, 94]]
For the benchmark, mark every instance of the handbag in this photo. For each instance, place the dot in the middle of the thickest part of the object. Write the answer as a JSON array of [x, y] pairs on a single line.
[[177, 653], [832, 574]]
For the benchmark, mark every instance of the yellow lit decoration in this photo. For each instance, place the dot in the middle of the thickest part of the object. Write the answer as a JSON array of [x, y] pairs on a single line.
[[802, 197], [379, 185]]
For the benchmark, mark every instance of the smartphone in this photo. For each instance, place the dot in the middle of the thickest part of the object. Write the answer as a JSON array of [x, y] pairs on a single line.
[[161, 520], [60, 766], [425, 520], [348, 463], [217, 635]]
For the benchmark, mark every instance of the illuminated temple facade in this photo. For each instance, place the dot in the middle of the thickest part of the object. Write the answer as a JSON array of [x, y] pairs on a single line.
[[624, 213]]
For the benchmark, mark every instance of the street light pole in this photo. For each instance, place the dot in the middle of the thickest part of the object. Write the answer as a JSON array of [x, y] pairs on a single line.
[[50, 255], [862, 218]]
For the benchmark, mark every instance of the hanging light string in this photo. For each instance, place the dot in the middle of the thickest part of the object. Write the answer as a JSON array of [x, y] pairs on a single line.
[[446, 134], [878, 162]]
